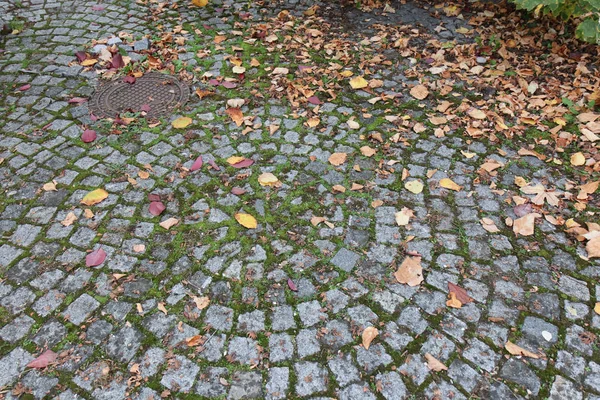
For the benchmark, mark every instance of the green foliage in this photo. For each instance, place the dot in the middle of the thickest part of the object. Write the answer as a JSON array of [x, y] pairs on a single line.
[[587, 10]]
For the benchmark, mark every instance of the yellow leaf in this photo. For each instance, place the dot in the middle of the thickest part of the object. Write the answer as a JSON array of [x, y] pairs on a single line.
[[50, 187], [89, 62], [346, 74], [268, 179], [434, 364], [403, 216], [234, 160], [358, 82], [597, 308], [368, 335], [450, 184], [518, 350], [577, 159], [181, 122], [246, 220], [337, 159], [200, 3], [419, 92], [415, 187], [94, 197], [410, 271]]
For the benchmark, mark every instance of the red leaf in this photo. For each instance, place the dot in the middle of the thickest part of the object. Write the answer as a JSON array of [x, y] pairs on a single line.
[[93, 117], [522, 210], [214, 165], [197, 164], [153, 197], [88, 136], [129, 79], [461, 294], [214, 82], [303, 67], [245, 163], [314, 100], [237, 191], [76, 100], [97, 8], [81, 56], [156, 208], [95, 258], [43, 360], [229, 85], [292, 285], [145, 107], [117, 61], [25, 87]]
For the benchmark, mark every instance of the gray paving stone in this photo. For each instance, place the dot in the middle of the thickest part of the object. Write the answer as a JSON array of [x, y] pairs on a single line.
[[79, 310], [278, 384], [311, 378], [516, 371], [124, 344], [343, 369], [12, 364], [180, 374], [246, 385]]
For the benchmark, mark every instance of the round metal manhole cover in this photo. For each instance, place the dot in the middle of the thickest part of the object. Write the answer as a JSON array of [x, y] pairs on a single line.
[[154, 93]]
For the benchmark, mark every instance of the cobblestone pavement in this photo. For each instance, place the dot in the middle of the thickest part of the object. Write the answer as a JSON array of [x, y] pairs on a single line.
[[138, 326]]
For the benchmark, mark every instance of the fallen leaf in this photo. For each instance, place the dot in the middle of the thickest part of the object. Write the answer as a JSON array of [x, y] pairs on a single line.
[[237, 191], [238, 69], [367, 151], [94, 197], [143, 174], [236, 115], [419, 92], [317, 220], [88, 213], [376, 203], [268, 179], [525, 225], [403, 216], [95, 258], [235, 103], [43, 360], [246, 220], [89, 62], [518, 350], [415, 187], [489, 225], [434, 364], [339, 188], [201, 302], [577, 159], [453, 301], [352, 124], [358, 82], [368, 335], [597, 308], [292, 285], [50, 187], [593, 247], [88, 136], [337, 159], [161, 307], [69, 219], [520, 181], [450, 184], [197, 164], [461, 294], [476, 113], [156, 208], [181, 122], [235, 159], [139, 248], [195, 340], [280, 71], [168, 223], [410, 271]]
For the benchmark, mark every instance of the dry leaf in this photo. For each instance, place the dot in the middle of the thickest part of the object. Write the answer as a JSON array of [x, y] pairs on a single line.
[[94, 197], [69, 219], [593, 247], [50, 187], [161, 307], [268, 179], [312, 122], [597, 308], [280, 71], [453, 301], [476, 113], [376, 203], [168, 223], [450, 184], [143, 174], [367, 151], [525, 225], [236, 115], [338, 158], [339, 188], [489, 225], [317, 220], [577, 159], [410, 271], [201, 302], [358, 82], [520, 181], [88, 213], [434, 364], [139, 248], [460, 293], [415, 187], [246, 220], [518, 350], [352, 124], [368, 335], [181, 122], [194, 340], [43, 360], [419, 92], [403, 216], [235, 159]]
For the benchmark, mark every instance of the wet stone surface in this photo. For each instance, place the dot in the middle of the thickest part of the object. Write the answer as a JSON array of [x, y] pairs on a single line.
[[204, 309]]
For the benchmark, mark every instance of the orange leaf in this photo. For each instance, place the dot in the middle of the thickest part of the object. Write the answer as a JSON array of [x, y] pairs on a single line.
[[368, 335], [236, 115], [461, 294], [434, 364], [338, 158], [519, 351], [410, 271]]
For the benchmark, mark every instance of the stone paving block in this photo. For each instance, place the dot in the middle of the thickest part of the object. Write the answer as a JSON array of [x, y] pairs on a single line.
[[246, 385], [311, 378], [79, 310], [180, 374]]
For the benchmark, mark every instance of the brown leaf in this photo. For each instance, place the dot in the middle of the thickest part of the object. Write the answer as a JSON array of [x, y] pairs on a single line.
[[461, 294], [201, 302], [194, 340], [434, 364], [236, 115], [410, 271], [168, 223], [338, 159], [525, 225], [368, 335], [69, 219], [453, 301], [489, 225], [593, 247], [161, 307], [419, 92], [519, 351]]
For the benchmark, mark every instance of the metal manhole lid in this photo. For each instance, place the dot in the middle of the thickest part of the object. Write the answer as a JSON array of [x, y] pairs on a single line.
[[161, 93]]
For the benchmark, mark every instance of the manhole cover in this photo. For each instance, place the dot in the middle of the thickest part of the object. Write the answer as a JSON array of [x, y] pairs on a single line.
[[155, 93]]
